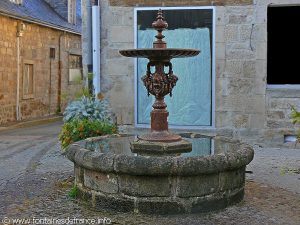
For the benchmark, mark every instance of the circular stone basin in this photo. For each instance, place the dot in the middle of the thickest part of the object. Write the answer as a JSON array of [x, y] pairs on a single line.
[[110, 177]]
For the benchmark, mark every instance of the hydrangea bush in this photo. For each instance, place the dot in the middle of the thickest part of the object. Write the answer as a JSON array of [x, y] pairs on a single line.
[[77, 129], [89, 108], [86, 117]]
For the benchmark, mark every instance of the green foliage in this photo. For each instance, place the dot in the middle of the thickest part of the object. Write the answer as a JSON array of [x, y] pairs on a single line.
[[295, 116], [90, 83], [89, 108], [82, 92], [289, 171], [296, 119], [73, 193], [78, 129]]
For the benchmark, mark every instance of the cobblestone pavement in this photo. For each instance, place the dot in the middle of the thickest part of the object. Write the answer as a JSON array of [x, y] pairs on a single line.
[[35, 180]]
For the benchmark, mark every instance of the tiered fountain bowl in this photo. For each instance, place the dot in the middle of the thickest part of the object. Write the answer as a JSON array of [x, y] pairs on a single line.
[[160, 172]]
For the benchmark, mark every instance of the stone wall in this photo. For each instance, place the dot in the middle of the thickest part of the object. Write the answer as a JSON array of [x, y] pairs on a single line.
[[278, 113], [243, 105], [117, 72], [8, 70], [239, 92], [35, 47], [277, 120]]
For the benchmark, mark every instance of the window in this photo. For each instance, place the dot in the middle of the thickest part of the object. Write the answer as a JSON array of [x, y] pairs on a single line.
[[75, 68], [283, 45], [28, 86], [52, 53], [188, 28]]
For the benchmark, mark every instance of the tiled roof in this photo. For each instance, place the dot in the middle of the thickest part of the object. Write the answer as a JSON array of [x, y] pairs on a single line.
[[40, 11]]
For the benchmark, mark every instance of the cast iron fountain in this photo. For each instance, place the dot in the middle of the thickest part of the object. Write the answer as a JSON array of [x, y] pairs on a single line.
[[160, 172], [160, 84]]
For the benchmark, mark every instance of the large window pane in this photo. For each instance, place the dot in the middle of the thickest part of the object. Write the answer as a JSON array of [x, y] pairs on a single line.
[[191, 104], [283, 45]]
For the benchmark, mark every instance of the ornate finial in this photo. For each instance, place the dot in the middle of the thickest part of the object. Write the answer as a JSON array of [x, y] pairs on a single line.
[[160, 24]]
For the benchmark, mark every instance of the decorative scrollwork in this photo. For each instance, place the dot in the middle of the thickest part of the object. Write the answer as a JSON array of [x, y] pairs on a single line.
[[159, 83]]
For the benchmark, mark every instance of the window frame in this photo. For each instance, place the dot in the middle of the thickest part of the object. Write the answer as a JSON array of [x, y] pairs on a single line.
[[213, 63], [70, 82], [278, 86], [28, 96]]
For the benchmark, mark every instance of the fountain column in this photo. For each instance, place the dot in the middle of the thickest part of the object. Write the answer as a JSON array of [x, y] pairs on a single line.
[[160, 84]]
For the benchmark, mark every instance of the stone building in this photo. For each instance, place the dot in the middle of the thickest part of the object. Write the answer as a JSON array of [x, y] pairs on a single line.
[[251, 77], [40, 56]]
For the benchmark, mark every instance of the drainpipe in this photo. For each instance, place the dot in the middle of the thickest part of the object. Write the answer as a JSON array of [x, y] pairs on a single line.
[[20, 30], [58, 106], [96, 47], [18, 79], [50, 78], [87, 51]]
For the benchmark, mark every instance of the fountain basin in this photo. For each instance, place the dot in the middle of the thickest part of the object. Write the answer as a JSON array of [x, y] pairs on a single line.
[[110, 177], [160, 54]]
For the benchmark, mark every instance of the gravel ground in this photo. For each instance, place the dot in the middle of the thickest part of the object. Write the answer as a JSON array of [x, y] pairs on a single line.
[[35, 180]]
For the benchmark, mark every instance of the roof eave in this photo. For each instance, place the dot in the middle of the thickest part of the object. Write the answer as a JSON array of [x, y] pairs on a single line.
[[39, 22]]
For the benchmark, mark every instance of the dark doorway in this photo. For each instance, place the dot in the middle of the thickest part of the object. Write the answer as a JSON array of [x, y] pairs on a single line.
[[283, 45]]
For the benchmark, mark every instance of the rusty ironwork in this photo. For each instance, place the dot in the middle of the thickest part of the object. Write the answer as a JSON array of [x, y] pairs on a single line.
[[160, 83], [160, 24]]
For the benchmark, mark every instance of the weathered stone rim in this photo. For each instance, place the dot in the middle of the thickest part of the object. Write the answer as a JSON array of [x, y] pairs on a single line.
[[163, 205], [165, 166]]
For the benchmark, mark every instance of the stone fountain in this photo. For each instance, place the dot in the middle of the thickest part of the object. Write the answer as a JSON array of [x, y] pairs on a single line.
[[160, 172]]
